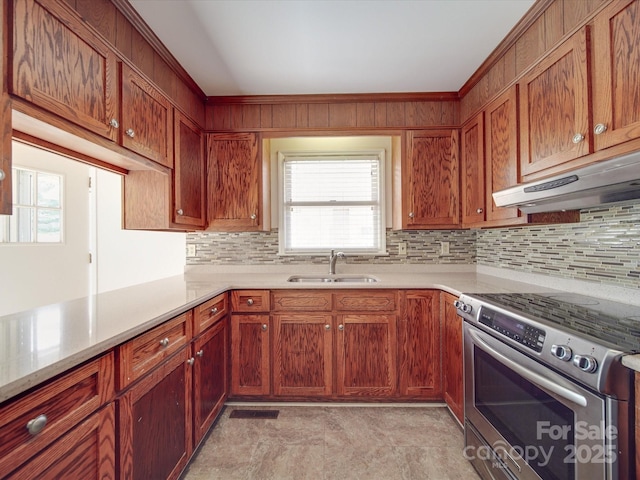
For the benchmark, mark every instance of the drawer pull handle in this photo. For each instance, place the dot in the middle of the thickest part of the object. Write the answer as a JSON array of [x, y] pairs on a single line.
[[130, 132], [479, 210], [327, 327], [264, 327], [341, 327], [180, 211], [599, 129], [577, 138], [164, 342], [214, 310], [200, 352], [250, 301], [36, 425], [191, 361]]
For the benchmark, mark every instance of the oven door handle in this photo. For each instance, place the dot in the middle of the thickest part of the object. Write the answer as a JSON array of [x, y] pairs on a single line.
[[534, 377]]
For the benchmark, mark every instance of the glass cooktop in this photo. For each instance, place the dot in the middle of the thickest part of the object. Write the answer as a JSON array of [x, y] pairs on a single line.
[[606, 321]]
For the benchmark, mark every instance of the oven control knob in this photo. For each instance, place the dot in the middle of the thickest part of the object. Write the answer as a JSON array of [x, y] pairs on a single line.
[[563, 352], [585, 363], [466, 308], [458, 304]]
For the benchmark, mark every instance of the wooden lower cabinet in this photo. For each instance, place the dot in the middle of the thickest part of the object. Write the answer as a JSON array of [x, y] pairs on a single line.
[[302, 355], [86, 452], [210, 374], [250, 355], [366, 355], [419, 339], [155, 422], [452, 365]]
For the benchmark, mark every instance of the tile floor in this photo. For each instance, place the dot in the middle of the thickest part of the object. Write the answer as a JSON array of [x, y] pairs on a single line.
[[334, 442]]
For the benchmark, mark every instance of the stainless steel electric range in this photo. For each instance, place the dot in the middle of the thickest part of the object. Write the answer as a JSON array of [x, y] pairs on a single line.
[[546, 396]]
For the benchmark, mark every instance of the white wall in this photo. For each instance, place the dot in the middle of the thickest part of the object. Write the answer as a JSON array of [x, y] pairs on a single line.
[[32, 275], [36, 275], [129, 257]]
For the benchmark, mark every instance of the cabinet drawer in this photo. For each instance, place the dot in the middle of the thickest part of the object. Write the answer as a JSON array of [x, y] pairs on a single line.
[[209, 313], [57, 407], [306, 300], [366, 301], [143, 353], [250, 301]]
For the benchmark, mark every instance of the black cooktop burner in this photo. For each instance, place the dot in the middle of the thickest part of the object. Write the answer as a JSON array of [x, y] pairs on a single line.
[[606, 321]]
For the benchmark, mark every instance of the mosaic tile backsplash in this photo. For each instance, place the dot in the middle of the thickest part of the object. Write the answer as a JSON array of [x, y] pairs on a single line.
[[603, 247]]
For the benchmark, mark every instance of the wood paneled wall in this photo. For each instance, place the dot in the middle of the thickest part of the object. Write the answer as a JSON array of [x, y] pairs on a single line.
[[555, 20], [313, 112], [120, 25]]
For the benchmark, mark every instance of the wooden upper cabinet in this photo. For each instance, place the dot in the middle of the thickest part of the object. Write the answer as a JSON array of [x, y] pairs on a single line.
[[472, 160], [501, 129], [554, 108], [147, 119], [63, 67], [234, 182], [188, 173], [430, 180], [616, 60]]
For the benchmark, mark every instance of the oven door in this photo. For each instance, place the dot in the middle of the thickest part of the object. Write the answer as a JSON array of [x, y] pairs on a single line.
[[525, 421]]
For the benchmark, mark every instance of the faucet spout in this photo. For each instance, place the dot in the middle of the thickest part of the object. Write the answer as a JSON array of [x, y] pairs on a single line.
[[333, 257]]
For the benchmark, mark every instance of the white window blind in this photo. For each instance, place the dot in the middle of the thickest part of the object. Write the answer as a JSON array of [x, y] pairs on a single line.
[[332, 202]]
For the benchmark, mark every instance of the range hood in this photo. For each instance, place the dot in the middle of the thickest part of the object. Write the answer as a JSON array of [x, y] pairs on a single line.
[[604, 182]]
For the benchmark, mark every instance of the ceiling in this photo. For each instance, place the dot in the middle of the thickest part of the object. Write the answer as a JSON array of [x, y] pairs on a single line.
[[287, 47]]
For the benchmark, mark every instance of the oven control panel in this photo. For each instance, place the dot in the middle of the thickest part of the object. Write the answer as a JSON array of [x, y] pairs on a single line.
[[515, 329]]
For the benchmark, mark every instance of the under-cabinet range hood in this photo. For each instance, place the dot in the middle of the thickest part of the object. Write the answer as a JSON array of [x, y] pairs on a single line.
[[604, 182]]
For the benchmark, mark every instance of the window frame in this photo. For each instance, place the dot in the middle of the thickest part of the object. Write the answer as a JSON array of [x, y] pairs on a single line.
[[7, 220], [380, 157]]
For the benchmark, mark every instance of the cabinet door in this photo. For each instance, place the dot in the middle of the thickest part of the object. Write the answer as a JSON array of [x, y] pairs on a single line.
[[5, 120], [188, 174], [502, 151], [155, 422], [452, 357], [147, 119], [616, 59], [554, 108], [302, 354], [234, 178], [473, 196], [366, 355], [62, 67], [419, 343], [86, 452], [430, 180], [250, 355], [210, 377]]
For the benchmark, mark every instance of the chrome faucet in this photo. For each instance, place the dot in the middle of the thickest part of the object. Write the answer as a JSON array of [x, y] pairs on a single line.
[[332, 261]]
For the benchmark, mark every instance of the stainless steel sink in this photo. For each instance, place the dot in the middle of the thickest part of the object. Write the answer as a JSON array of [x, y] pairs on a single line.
[[332, 279]]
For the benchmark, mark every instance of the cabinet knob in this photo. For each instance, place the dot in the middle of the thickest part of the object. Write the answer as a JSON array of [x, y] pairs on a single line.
[[341, 327], [250, 301], [577, 138], [327, 327], [599, 129], [253, 216], [480, 210], [411, 215], [130, 133], [191, 361], [214, 310], [200, 352], [114, 123], [264, 327], [2, 175], [35, 425], [180, 211], [164, 342]]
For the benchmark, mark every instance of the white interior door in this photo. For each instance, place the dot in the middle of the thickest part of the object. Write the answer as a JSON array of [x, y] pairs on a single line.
[[35, 274]]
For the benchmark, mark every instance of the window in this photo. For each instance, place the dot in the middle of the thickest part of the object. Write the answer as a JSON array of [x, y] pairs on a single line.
[[332, 201], [37, 208]]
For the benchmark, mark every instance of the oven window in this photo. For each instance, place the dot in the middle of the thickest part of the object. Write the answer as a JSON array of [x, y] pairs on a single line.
[[515, 407]]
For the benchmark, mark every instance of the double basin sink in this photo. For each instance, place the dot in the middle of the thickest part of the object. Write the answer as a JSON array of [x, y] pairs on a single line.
[[332, 279]]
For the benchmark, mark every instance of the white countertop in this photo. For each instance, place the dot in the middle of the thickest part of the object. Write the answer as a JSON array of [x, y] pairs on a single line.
[[41, 343]]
